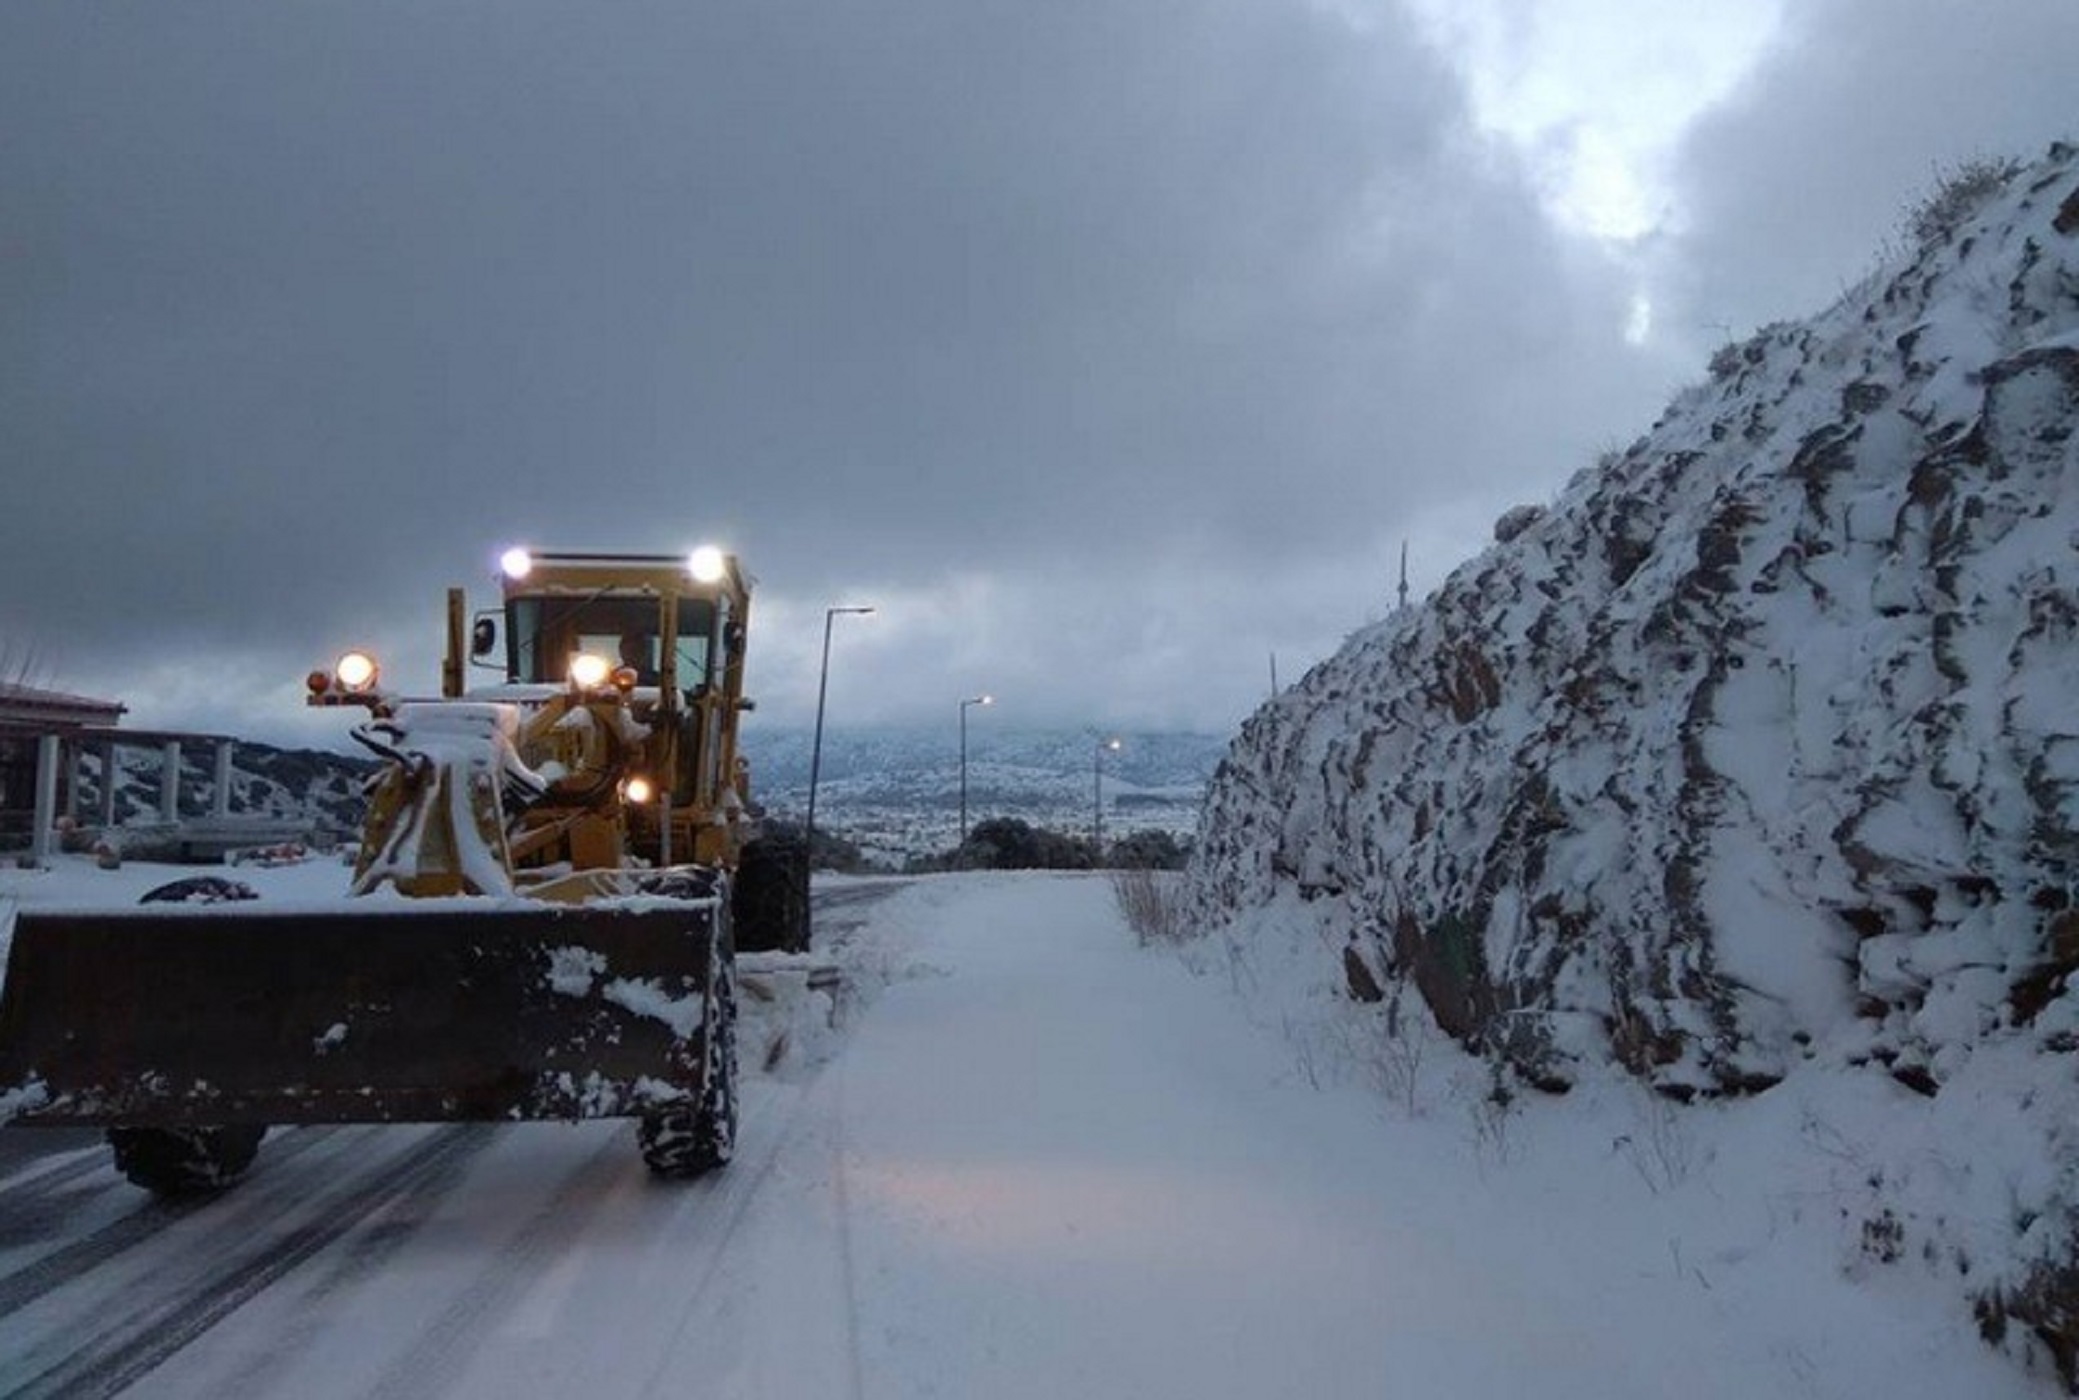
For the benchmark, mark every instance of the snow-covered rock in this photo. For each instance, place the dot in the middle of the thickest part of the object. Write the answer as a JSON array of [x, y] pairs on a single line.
[[1760, 746]]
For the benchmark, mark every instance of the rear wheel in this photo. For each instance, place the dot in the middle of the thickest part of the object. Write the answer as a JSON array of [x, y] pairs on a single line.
[[772, 895], [201, 889], [700, 1136], [189, 1161], [185, 1161]]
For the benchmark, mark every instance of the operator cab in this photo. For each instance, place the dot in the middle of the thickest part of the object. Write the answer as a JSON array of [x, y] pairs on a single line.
[[666, 619], [665, 633]]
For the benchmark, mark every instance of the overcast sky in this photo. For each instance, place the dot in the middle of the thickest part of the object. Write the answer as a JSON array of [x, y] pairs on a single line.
[[1108, 347]]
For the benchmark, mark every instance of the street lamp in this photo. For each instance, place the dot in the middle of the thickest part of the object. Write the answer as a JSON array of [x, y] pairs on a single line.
[[977, 700], [816, 752], [1097, 794]]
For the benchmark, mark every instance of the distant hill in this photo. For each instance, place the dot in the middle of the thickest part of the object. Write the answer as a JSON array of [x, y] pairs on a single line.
[[896, 791]]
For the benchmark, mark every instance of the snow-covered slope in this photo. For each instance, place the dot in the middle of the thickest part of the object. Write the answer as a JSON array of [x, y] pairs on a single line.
[[1760, 747]]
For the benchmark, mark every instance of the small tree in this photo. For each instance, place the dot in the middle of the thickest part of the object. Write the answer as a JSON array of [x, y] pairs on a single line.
[[1007, 843]]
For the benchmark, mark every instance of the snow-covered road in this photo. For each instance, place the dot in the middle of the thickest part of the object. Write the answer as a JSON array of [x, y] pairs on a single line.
[[1041, 1162]]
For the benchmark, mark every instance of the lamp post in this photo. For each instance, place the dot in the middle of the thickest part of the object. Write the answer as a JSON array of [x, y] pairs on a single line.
[[1097, 795], [977, 700], [816, 751]]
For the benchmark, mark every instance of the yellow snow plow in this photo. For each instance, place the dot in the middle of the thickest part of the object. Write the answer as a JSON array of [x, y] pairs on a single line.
[[554, 876]]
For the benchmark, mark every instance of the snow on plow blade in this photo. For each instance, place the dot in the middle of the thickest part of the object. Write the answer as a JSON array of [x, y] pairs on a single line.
[[462, 1009]]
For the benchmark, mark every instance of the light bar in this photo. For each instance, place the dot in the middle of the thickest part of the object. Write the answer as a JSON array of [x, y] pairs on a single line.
[[707, 564]]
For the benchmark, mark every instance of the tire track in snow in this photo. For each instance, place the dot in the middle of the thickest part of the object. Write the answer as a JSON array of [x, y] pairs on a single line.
[[728, 1196], [559, 1222], [37, 1180], [120, 1354], [855, 1367], [857, 894], [69, 1262], [50, 1207], [854, 901], [60, 1267], [370, 1249]]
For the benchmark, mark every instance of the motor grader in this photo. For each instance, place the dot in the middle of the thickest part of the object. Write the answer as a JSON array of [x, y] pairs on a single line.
[[554, 875]]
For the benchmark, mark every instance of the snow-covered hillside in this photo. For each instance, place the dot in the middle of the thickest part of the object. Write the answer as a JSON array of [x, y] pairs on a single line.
[[308, 786], [896, 791], [1752, 756]]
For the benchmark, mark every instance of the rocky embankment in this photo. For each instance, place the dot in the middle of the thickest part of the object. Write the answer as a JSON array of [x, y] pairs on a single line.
[[1760, 746]]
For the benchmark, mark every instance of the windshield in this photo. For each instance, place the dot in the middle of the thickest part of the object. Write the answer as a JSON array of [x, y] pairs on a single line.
[[544, 633]]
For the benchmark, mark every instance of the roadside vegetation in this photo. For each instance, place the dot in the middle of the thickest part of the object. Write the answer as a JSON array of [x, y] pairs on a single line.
[[1008, 843]]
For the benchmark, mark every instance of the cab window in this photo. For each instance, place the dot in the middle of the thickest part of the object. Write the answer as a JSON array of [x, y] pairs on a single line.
[[543, 633]]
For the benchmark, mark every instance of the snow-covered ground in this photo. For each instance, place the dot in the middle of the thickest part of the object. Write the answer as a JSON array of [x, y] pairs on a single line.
[[1034, 1159]]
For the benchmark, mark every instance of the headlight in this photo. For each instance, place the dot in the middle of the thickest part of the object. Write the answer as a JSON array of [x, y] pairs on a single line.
[[356, 671], [638, 791], [517, 563], [588, 670], [707, 564]]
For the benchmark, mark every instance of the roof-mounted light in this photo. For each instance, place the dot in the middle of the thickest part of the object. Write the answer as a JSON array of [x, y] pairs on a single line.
[[707, 564], [517, 563]]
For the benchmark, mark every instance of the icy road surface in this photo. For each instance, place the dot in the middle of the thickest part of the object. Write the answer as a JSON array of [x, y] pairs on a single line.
[[1039, 1162]]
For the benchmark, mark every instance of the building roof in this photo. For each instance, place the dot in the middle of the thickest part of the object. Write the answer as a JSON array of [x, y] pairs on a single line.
[[27, 704]]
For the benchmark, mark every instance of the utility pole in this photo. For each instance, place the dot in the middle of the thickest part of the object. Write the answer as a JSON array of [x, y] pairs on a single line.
[[1403, 577], [977, 700], [1104, 746], [830, 615]]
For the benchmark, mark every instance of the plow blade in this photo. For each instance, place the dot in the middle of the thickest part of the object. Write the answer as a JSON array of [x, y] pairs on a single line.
[[454, 1010]]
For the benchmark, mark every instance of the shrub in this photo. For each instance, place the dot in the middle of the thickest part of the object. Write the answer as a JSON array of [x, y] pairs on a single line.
[[1153, 903], [1959, 192], [1006, 843]]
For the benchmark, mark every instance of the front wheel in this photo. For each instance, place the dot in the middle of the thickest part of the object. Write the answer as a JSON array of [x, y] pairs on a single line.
[[690, 1139], [185, 1161], [189, 1161], [201, 889]]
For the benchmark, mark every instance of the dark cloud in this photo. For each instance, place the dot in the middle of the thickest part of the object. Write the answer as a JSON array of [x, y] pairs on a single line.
[[1793, 187], [309, 308]]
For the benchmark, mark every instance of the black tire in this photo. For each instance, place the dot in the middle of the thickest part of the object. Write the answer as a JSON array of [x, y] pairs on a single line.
[[687, 1141], [685, 882], [201, 889], [771, 897], [185, 1161], [199, 1160]]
